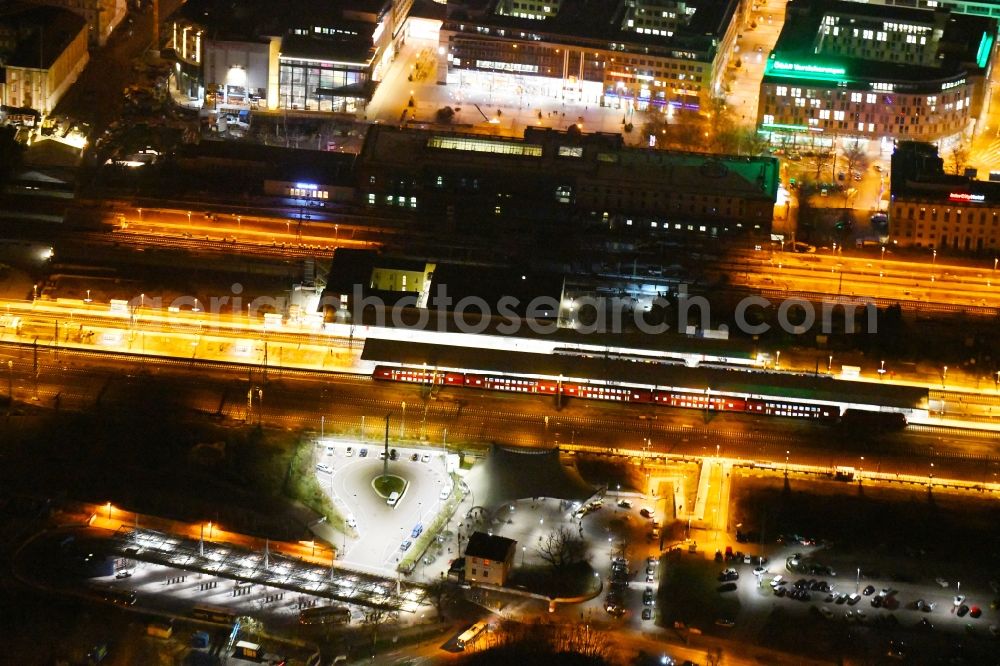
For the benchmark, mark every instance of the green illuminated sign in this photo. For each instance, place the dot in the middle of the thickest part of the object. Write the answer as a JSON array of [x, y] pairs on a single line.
[[796, 128], [985, 46], [808, 69]]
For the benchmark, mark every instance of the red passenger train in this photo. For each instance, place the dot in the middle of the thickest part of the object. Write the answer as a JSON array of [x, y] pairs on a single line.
[[714, 402]]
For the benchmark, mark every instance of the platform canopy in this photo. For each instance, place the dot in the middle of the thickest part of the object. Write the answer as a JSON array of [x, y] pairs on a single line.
[[509, 474]]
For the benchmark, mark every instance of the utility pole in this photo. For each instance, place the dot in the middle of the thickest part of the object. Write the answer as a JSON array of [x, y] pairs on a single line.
[[156, 25], [385, 456]]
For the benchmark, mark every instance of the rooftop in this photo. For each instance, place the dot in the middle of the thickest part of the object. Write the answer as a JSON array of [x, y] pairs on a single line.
[[284, 164], [918, 172], [488, 547], [595, 156], [617, 371], [42, 33], [600, 21], [254, 20], [820, 38]]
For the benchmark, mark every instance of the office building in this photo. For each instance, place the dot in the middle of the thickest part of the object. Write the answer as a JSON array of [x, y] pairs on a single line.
[[629, 53], [302, 57], [874, 73], [933, 209]]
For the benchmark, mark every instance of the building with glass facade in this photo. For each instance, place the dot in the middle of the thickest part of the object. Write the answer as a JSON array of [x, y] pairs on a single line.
[[307, 57], [874, 73], [637, 52]]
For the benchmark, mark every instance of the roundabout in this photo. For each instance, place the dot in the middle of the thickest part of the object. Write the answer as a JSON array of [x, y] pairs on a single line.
[[360, 486]]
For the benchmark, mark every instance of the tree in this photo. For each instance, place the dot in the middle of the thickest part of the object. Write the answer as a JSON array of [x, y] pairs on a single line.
[[438, 591], [561, 549], [958, 156], [857, 158], [375, 618]]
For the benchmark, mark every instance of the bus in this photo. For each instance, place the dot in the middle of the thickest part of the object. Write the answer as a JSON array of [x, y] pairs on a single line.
[[470, 634], [325, 615], [214, 614]]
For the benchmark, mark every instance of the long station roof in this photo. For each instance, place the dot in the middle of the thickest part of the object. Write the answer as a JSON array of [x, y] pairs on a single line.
[[617, 371]]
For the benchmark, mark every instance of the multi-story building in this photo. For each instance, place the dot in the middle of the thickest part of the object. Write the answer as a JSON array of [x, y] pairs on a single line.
[[42, 52], [645, 52], [874, 73], [974, 7], [930, 208], [102, 16], [308, 57], [563, 177], [488, 559]]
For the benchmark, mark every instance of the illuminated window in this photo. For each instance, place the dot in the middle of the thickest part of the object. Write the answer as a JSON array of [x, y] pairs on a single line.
[[871, 98], [485, 146], [856, 97]]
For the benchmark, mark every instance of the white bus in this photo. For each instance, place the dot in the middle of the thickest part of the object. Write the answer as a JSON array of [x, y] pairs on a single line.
[[470, 634]]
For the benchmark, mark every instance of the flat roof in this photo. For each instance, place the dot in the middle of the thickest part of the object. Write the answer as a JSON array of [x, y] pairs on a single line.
[[42, 33], [600, 21], [617, 371], [278, 163], [963, 48], [602, 156]]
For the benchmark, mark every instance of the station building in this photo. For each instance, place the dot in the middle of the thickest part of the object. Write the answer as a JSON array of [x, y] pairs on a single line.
[[933, 209], [553, 177], [874, 73], [304, 57], [622, 53], [42, 52]]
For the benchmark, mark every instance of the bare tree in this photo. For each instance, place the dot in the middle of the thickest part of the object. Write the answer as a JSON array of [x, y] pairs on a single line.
[[375, 618], [561, 549], [857, 158], [958, 157], [438, 591]]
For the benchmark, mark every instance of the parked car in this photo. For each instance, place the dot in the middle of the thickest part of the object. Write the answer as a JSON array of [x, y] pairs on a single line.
[[415, 457], [405, 546], [425, 458], [363, 453], [868, 591], [625, 504], [326, 469], [350, 451], [647, 613]]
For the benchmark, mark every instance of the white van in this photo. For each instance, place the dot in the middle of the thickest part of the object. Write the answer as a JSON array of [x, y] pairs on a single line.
[[445, 492], [393, 498]]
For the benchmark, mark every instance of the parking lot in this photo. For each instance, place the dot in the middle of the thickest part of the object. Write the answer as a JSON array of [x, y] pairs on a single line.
[[382, 533]]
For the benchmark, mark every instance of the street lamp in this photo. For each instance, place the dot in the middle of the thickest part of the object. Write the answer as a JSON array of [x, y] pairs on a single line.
[[829, 364], [109, 510], [189, 217], [87, 300], [140, 215], [787, 453], [933, 257]]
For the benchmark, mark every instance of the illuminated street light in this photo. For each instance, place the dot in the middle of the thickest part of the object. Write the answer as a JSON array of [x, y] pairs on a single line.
[[140, 214], [109, 510], [87, 300], [933, 257], [189, 217]]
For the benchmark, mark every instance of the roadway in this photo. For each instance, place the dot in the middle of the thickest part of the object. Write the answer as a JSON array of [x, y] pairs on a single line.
[[298, 400]]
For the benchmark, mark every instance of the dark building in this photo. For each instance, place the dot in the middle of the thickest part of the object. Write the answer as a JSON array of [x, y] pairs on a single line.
[[933, 209], [553, 177]]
